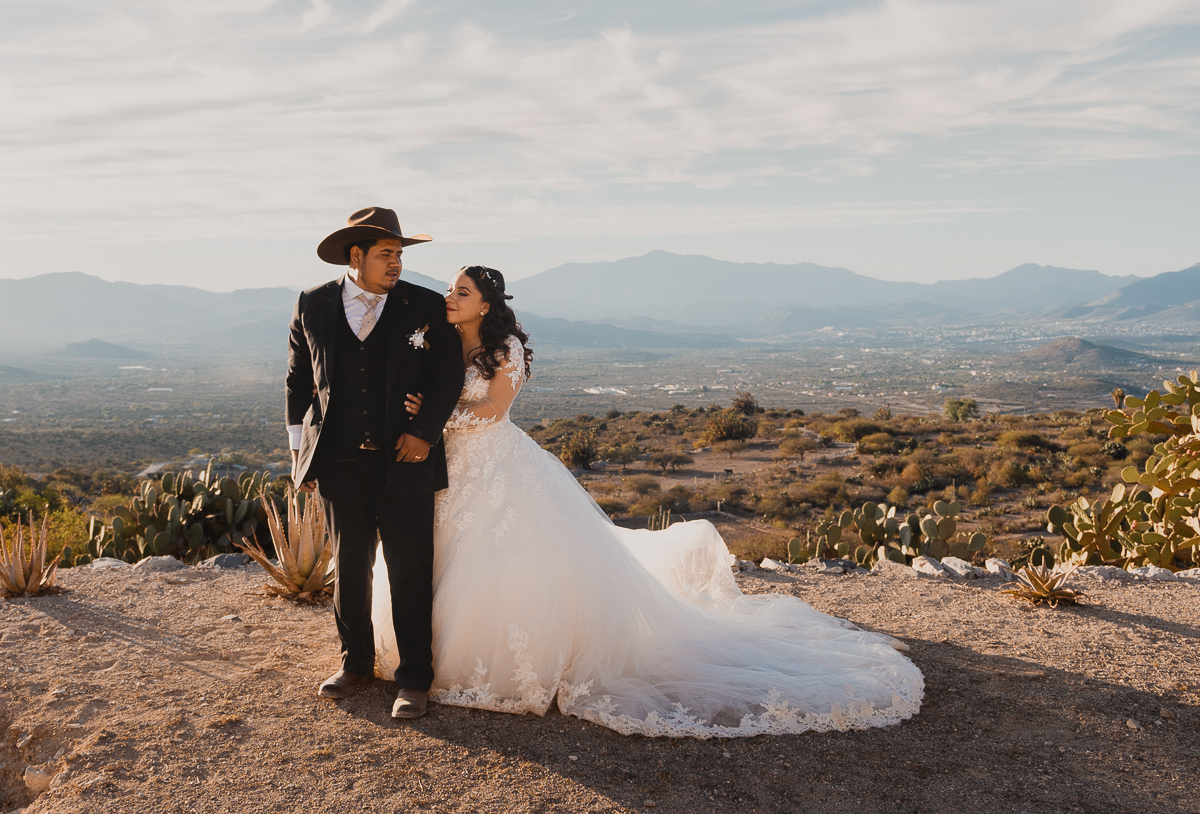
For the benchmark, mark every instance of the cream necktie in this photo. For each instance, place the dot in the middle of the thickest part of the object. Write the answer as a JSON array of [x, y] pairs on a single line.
[[368, 320]]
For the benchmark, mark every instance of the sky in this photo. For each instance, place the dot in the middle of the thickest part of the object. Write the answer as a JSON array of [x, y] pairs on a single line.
[[215, 143]]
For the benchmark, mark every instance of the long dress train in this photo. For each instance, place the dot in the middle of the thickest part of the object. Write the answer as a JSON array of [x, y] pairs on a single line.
[[540, 599]]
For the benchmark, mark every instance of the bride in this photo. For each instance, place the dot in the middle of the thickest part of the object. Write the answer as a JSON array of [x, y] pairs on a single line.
[[540, 599]]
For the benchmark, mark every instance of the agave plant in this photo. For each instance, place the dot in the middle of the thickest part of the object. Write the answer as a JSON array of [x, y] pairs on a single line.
[[21, 574], [304, 551], [1039, 584]]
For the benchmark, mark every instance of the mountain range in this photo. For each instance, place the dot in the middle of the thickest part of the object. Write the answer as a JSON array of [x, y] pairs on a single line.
[[657, 300], [699, 290]]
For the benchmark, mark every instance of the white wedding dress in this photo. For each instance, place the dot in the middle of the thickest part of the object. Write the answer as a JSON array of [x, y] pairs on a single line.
[[540, 599]]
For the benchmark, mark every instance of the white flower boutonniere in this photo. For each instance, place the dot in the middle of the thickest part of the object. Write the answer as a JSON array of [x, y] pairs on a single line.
[[417, 340]]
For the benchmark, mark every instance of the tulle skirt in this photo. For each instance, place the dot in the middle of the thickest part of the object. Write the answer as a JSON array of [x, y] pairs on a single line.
[[540, 599]]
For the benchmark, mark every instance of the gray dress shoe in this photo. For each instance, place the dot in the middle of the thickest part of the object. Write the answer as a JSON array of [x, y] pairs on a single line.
[[410, 704], [341, 684]]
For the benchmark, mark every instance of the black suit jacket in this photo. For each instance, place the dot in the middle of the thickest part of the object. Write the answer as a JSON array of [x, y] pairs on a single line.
[[436, 372]]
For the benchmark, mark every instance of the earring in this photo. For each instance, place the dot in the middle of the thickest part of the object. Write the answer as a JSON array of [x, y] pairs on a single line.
[[482, 313]]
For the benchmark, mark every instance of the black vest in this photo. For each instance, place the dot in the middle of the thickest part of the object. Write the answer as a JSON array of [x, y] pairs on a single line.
[[358, 399]]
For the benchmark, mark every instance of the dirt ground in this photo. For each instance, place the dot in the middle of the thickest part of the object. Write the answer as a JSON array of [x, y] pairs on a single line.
[[190, 692]]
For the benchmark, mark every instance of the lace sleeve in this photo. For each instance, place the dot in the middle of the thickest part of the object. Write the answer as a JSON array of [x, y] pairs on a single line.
[[501, 393]]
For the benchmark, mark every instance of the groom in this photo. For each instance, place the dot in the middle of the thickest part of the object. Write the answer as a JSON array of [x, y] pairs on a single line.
[[358, 345]]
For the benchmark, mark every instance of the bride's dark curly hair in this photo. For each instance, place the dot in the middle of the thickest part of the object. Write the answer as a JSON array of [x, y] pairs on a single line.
[[498, 324]]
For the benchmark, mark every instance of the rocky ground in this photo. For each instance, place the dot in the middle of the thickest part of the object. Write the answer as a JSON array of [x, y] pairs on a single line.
[[189, 691]]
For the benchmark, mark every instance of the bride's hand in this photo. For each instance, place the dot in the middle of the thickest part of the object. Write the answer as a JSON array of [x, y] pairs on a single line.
[[413, 403]]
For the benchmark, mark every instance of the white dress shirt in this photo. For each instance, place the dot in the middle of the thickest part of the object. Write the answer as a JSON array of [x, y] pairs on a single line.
[[356, 309]]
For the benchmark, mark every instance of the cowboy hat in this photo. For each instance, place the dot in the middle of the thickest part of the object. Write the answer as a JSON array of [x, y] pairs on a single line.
[[372, 223]]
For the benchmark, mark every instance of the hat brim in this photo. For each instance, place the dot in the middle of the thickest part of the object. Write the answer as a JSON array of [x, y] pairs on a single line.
[[333, 248]]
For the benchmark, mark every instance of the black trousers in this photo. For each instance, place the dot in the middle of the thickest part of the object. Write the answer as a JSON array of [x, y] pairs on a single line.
[[357, 512]]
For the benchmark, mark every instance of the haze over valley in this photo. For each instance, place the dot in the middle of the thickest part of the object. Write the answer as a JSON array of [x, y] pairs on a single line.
[[643, 333]]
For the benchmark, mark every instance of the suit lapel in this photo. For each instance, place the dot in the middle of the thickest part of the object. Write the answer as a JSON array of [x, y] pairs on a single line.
[[330, 306], [399, 315]]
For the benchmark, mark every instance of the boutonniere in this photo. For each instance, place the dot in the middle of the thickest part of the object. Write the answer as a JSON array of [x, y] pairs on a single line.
[[417, 340]]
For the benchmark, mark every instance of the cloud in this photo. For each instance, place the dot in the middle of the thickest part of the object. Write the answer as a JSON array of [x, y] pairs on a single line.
[[233, 118]]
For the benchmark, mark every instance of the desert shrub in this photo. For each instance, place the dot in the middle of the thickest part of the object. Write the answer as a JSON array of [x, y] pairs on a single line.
[[898, 496], [611, 505], [887, 465], [982, 495], [678, 499], [974, 461], [746, 404], [1076, 433], [796, 446], [820, 491], [623, 454], [670, 458], [955, 409], [1086, 453], [642, 484], [877, 443], [728, 425], [1008, 472], [1023, 439], [855, 429], [729, 448], [1115, 450], [580, 450]]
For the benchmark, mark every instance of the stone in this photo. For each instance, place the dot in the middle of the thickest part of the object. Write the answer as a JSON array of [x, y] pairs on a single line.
[[769, 564], [885, 567], [1169, 714], [962, 568], [745, 565], [999, 567], [229, 560], [831, 566], [233, 617], [105, 563], [1134, 725], [60, 779], [159, 565], [1154, 572], [930, 567], [1191, 574], [1108, 572], [37, 780]]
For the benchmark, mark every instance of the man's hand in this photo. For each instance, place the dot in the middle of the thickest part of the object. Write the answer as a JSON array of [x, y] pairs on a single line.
[[411, 449], [307, 486]]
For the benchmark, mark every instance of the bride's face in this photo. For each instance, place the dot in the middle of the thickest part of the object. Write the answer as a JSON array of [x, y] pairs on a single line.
[[464, 303]]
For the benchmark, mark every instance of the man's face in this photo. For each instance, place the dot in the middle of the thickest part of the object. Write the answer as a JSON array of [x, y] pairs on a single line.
[[379, 271]]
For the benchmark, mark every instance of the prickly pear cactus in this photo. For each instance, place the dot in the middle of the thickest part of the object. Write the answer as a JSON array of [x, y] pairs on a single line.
[[188, 517], [1154, 519]]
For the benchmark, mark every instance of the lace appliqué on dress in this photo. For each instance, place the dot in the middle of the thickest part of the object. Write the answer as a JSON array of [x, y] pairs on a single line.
[[532, 694]]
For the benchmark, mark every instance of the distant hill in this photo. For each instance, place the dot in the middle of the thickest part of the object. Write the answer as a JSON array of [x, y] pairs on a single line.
[[1147, 297], [1072, 350], [99, 349], [87, 307], [693, 289]]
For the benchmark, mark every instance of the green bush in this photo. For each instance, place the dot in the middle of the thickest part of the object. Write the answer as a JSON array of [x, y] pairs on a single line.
[[728, 425], [955, 409]]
